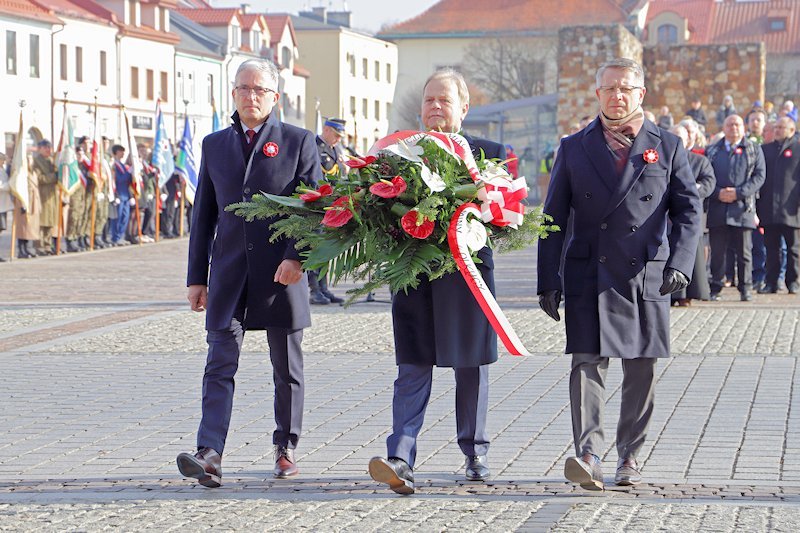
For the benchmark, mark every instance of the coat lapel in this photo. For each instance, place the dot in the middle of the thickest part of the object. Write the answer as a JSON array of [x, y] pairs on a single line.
[[264, 134], [649, 137], [594, 143]]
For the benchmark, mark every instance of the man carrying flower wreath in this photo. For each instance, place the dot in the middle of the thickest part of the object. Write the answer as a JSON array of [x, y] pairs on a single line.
[[239, 277], [621, 179], [440, 324]]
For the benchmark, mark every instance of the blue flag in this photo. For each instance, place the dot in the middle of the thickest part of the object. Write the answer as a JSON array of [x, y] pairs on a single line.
[[185, 165], [214, 117], [162, 150]]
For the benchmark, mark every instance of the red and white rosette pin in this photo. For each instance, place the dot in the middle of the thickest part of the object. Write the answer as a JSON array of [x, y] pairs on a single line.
[[787, 152], [738, 150], [650, 156], [464, 236], [270, 149]]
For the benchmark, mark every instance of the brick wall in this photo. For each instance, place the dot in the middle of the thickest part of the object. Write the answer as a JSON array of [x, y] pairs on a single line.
[[675, 74]]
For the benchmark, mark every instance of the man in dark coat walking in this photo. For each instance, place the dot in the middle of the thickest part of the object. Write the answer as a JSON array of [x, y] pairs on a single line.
[[778, 205], [739, 167], [440, 324], [239, 277], [623, 179]]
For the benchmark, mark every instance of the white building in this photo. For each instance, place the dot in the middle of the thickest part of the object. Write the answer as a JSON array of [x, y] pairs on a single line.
[[294, 78], [353, 75]]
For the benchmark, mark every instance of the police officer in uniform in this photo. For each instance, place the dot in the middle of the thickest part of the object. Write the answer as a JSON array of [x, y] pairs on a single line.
[[331, 154]]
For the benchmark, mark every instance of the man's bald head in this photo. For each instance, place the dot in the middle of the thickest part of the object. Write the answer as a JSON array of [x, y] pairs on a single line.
[[785, 128], [733, 127]]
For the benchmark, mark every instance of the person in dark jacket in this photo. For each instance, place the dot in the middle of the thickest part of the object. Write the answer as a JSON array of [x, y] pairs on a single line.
[[440, 324], [705, 180], [619, 182], [778, 205], [241, 279], [697, 113]]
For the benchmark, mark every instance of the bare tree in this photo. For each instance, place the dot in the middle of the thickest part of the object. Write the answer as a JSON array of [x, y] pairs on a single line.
[[509, 68], [407, 109]]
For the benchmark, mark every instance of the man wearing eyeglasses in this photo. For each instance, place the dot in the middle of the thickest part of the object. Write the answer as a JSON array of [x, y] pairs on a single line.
[[241, 279], [621, 179]]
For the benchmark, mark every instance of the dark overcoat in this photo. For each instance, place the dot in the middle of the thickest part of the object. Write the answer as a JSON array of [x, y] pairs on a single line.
[[231, 255], [743, 171], [620, 245], [440, 323], [779, 198]]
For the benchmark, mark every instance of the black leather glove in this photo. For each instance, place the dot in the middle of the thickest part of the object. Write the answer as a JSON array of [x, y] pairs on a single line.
[[549, 302], [674, 280]]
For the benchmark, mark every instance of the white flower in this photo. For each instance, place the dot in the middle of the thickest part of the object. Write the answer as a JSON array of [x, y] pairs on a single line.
[[406, 151], [476, 235], [433, 180]]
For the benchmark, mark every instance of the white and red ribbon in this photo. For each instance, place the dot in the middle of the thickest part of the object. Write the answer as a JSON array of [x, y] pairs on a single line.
[[458, 236]]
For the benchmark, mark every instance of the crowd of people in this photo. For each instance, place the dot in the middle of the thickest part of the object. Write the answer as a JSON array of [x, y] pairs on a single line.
[[746, 169], [106, 208]]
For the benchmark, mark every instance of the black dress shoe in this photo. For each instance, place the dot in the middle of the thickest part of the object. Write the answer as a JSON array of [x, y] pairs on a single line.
[[205, 466], [477, 468], [715, 297], [317, 298], [627, 473], [284, 463], [394, 472], [768, 289], [585, 471], [332, 298], [794, 287], [745, 296]]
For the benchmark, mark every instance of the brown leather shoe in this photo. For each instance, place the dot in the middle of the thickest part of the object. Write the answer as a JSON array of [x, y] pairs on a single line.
[[627, 473], [284, 463], [586, 471], [205, 466]]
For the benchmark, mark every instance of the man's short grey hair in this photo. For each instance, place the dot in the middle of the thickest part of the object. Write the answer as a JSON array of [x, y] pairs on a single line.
[[621, 63], [454, 76], [264, 66]]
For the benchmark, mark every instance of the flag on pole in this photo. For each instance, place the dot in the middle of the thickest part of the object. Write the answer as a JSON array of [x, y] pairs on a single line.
[[19, 168], [214, 117], [318, 121], [68, 172], [185, 165], [133, 159], [95, 166], [162, 150]]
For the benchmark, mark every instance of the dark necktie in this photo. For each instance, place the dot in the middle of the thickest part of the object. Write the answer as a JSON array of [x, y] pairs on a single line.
[[250, 135]]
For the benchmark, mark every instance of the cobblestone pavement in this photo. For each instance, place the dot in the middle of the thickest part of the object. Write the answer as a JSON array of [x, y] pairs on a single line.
[[102, 365]]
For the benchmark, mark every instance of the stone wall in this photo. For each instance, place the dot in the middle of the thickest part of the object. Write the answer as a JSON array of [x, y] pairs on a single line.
[[675, 74], [581, 49]]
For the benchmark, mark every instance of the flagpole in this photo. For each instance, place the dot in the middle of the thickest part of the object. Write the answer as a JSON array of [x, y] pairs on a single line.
[[60, 187], [96, 180], [138, 218], [183, 181], [13, 233], [16, 201]]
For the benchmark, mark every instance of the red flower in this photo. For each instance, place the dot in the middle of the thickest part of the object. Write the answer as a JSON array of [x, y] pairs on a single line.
[[313, 196], [787, 153], [650, 156], [270, 149], [738, 150], [338, 214], [389, 189], [415, 228], [360, 162]]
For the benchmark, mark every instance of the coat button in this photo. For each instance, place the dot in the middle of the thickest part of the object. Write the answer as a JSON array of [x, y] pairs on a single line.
[[588, 195], [247, 190], [634, 227], [603, 225], [648, 197], [633, 262], [602, 259], [249, 245]]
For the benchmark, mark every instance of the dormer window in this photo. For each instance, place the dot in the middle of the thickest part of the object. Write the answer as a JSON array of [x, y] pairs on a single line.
[[133, 13], [777, 24], [236, 37], [286, 57], [256, 44], [667, 34]]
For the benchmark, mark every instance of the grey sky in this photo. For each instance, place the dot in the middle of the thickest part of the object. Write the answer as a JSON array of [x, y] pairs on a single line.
[[367, 14]]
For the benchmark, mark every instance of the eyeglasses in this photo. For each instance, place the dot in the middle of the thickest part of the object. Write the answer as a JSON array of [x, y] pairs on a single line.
[[627, 91], [244, 90]]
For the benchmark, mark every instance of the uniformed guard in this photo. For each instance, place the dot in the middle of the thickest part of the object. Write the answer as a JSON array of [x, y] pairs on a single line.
[[77, 200], [331, 155]]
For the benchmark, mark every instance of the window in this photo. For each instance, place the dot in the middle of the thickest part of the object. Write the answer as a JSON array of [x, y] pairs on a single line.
[[352, 105], [134, 82], [667, 34], [365, 108], [179, 85], [103, 68], [132, 13], [63, 56], [777, 24], [78, 63], [188, 93], [388, 73], [236, 37], [11, 52], [256, 41], [351, 60], [164, 87], [377, 71], [210, 93], [149, 83], [377, 110], [299, 107], [34, 56], [286, 57], [388, 110], [365, 67]]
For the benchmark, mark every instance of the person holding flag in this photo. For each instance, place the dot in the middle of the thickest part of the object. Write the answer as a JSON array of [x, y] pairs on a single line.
[[123, 179], [186, 167], [69, 174], [77, 199], [164, 161], [25, 187]]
